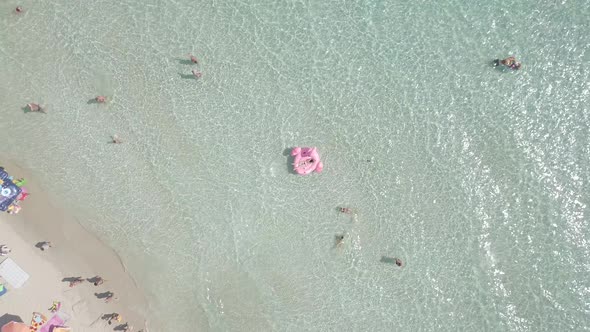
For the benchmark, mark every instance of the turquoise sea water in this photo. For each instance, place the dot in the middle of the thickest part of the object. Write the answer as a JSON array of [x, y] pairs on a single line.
[[477, 178]]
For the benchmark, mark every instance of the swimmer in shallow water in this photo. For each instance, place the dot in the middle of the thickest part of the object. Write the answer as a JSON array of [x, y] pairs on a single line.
[[345, 210], [509, 62], [115, 139], [35, 108], [339, 240]]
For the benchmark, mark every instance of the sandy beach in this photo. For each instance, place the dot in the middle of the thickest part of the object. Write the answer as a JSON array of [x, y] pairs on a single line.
[[75, 252]]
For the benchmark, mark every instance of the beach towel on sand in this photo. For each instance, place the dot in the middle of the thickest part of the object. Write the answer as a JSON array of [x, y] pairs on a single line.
[[57, 320], [37, 321]]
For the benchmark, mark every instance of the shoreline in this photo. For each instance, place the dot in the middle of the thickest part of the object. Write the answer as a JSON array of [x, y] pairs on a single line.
[[75, 252]]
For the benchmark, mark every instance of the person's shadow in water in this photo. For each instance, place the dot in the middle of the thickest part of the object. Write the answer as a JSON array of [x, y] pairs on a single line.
[[498, 66], [92, 101], [290, 160], [26, 109], [387, 260], [187, 76], [184, 61]]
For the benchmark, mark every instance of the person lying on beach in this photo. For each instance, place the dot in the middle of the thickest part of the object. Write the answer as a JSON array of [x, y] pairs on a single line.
[[14, 208], [193, 58], [4, 250], [76, 281], [35, 108]]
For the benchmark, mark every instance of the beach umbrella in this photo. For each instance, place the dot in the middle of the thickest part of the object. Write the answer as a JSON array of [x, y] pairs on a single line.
[[7, 318], [15, 327]]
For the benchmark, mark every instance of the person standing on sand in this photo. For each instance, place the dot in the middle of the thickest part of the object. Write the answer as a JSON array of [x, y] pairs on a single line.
[[110, 297], [98, 281], [45, 245], [4, 250]]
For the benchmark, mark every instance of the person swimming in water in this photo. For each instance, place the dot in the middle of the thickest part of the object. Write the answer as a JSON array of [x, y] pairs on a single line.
[[345, 210], [339, 240], [196, 73], [115, 139], [193, 59], [509, 62], [35, 108]]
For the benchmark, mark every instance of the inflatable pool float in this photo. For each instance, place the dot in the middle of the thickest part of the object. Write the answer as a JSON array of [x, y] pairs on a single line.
[[306, 160]]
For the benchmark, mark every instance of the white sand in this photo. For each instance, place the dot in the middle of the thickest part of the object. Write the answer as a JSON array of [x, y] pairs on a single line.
[[75, 252]]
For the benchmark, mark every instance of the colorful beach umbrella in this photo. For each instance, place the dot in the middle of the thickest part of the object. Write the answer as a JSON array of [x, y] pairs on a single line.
[[15, 327]]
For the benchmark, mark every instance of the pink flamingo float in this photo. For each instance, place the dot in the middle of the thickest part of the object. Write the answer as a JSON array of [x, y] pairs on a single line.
[[307, 160]]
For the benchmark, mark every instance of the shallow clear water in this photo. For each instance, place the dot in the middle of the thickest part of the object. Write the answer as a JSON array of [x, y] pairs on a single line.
[[476, 177]]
